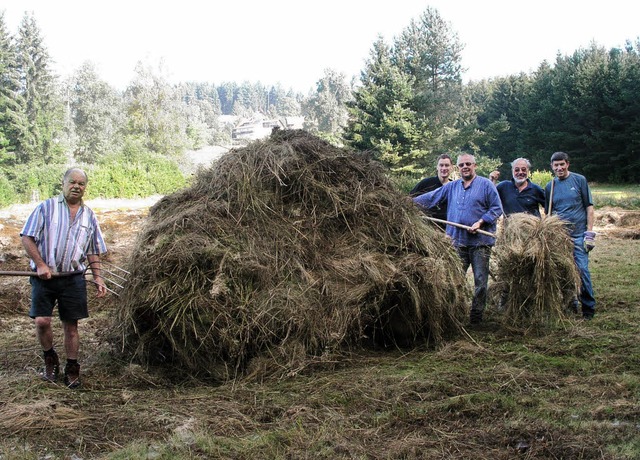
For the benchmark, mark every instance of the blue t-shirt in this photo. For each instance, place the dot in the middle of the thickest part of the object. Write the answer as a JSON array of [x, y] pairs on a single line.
[[513, 200], [571, 198], [466, 206]]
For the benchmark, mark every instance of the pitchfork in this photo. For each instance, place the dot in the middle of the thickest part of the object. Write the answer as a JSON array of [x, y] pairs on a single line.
[[116, 278]]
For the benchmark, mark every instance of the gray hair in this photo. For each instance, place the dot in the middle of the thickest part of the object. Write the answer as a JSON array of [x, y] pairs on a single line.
[[462, 154], [69, 171], [513, 163]]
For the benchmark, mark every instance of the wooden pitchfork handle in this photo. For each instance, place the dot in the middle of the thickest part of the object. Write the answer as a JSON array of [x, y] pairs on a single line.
[[551, 196], [455, 224], [28, 273]]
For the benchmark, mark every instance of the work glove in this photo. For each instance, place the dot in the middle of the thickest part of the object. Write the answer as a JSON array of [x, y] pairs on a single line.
[[589, 241]]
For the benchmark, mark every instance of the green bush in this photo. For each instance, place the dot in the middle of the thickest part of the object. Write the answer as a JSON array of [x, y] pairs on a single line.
[[542, 178], [36, 182], [7, 192], [404, 182], [134, 174]]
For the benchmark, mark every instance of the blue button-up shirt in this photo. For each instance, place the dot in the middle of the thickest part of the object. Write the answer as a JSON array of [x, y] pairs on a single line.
[[466, 206]]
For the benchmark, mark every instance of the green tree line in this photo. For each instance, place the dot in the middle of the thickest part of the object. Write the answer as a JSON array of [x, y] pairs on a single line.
[[409, 105]]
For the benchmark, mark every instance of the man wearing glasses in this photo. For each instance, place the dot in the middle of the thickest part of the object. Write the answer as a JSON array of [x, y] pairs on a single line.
[[473, 203], [520, 194]]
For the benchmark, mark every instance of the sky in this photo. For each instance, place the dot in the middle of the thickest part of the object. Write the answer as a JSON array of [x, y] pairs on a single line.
[[292, 42]]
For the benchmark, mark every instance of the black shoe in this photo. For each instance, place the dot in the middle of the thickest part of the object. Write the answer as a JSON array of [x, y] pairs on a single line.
[[72, 375], [476, 317], [51, 367]]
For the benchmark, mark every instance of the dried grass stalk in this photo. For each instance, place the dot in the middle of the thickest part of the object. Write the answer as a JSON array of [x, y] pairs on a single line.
[[281, 252], [535, 270]]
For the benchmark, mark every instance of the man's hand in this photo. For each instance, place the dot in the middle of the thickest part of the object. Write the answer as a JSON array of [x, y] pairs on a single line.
[[100, 286], [589, 241], [44, 272], [476, 226]]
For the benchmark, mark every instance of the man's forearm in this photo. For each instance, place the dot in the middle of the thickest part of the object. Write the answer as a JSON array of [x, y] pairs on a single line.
[[32, 250], [590, 218]]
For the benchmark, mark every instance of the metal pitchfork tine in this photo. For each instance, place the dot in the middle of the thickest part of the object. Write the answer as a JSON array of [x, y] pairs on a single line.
[[114, 271]]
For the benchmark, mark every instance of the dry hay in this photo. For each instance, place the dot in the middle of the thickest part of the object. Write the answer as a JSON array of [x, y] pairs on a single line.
[[284, 252], [535, 270], [39, 416]]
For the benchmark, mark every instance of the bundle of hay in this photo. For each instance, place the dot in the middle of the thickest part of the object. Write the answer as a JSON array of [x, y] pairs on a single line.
[[535, 270], [285, 251]]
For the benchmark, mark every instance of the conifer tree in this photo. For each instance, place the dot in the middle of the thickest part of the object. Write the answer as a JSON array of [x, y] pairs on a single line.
[[40, 120]]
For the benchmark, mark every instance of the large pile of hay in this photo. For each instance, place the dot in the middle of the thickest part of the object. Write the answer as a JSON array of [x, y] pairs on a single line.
[[535, 270], [282, 251]]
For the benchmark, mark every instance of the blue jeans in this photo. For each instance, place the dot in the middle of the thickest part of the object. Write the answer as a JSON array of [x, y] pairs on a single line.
[[478, 258], [581, 258]]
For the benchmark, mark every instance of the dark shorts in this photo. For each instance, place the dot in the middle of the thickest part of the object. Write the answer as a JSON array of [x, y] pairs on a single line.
[[70, 292]]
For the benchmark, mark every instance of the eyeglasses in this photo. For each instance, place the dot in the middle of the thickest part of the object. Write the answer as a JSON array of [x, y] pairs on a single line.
[[461, 165]]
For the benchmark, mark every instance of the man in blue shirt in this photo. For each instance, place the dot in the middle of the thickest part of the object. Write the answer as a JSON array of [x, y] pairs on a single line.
[[474, 203], [62, 237], [520, 194], [569, 197]]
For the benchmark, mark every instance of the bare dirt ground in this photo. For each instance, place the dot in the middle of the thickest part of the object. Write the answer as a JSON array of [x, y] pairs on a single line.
[[114, 408]]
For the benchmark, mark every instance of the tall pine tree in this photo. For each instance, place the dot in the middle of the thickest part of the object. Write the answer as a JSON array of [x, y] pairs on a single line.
[[41, 119], [9, 86]]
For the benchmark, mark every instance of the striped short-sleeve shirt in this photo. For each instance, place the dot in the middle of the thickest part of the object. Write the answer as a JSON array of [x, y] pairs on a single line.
[[64, 244]]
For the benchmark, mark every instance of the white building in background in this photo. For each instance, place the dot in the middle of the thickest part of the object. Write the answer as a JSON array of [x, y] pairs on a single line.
[[259, 128]]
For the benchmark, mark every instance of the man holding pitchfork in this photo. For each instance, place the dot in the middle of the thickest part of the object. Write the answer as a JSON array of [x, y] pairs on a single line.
[[62, 237], [568, 195], [472, 212]]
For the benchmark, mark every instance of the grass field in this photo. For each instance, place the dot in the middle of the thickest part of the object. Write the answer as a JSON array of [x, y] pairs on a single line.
[[570, 393], [623, 196]]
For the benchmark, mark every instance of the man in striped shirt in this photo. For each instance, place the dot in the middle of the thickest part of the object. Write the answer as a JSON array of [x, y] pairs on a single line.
[[473, 202], [63, 238]]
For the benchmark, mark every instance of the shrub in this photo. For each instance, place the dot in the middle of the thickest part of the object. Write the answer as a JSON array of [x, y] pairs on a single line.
[[542, 178], [135, 174], [7, 192], [36, 182], [404, 182]]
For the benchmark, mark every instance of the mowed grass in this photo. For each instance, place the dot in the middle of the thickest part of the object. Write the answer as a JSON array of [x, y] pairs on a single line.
[[572, 392], [622, 196]]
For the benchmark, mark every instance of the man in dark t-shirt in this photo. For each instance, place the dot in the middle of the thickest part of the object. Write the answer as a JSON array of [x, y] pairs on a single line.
[[520, 194], [429, 184]]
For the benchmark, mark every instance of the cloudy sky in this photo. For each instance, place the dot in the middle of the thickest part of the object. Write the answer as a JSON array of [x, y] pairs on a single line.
[[293, 41]]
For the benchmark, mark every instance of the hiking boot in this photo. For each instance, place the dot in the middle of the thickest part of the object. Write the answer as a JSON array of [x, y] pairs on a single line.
[[72, 375], [475, 317], [51, 367], [587, 313]]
